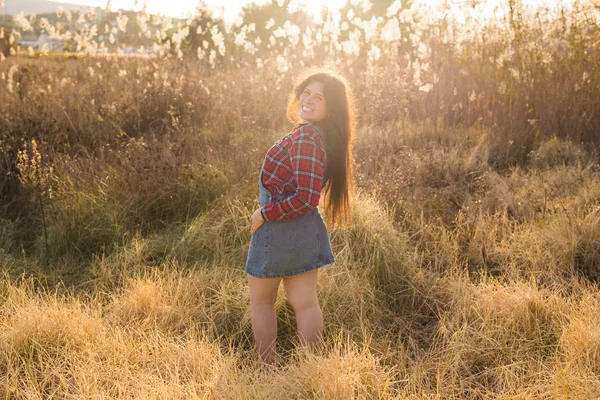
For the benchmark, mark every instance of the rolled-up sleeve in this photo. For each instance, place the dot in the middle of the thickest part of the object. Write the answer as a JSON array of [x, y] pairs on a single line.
[[308, 158]]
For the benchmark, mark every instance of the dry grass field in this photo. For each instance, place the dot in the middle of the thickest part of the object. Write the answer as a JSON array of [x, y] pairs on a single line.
[[470, 269]]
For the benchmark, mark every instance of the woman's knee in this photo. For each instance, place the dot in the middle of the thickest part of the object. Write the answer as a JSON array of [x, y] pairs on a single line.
[[301, 291], [303, 303]]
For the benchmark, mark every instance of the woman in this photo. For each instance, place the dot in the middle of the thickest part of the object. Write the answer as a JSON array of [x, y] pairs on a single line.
[[289, 239]]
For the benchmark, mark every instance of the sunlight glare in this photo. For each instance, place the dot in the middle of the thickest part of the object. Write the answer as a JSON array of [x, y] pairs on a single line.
[[314, 8], [486, 10]]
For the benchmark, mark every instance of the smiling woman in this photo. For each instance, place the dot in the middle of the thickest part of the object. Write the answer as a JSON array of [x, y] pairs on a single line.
[[312, 103], [289, 237]]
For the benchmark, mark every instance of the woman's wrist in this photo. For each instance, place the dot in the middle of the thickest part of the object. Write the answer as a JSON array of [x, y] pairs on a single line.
[[262, 214]]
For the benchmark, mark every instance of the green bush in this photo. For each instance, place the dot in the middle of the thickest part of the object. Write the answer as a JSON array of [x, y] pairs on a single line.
[[556, 152]]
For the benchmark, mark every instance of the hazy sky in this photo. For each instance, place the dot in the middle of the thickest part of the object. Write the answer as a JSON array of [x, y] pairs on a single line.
[[230, 9], [178, 8]]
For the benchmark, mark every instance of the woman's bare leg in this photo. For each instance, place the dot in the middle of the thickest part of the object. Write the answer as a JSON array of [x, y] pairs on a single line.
[[301, 292], [263, 294]]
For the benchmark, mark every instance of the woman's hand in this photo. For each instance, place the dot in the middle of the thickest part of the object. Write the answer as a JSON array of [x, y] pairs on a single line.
[[256, 221]]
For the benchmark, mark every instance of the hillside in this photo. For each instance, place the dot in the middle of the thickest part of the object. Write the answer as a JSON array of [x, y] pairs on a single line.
[[13, 7]]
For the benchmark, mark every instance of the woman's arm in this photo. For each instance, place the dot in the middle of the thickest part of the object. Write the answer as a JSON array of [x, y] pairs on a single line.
[[256, 220], [308, 158]]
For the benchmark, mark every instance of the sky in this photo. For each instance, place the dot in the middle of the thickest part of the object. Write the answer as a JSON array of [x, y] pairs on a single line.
[[230, 9], [177, 8]]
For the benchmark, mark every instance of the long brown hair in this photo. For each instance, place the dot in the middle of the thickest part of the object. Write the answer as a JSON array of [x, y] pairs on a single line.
[[338, 131]]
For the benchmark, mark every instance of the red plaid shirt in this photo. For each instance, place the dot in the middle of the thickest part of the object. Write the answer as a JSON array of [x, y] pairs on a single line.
[[295, 164]]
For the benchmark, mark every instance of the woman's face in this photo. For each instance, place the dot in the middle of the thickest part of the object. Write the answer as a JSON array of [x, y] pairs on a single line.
[[312, 103]]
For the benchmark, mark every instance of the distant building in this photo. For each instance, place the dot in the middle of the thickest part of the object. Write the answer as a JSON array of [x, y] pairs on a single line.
[[38, 42], [52, 44], [29, 39]]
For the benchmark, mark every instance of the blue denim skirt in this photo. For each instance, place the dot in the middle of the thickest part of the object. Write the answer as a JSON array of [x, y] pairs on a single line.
[[280, 249]]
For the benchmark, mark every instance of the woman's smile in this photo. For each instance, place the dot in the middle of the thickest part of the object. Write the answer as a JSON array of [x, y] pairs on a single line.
[[312, 103]]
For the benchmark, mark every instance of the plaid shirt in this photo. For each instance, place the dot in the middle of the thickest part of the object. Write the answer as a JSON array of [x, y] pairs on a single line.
[[295, 164]]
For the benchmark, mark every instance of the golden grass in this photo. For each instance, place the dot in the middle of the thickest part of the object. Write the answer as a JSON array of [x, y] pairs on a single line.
[[158, 329], [494, 299]]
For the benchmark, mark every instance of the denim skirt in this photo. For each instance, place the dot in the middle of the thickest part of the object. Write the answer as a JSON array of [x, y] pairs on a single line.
[[280, 249]]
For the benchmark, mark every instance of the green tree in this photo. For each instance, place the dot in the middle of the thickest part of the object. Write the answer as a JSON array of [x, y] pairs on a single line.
[[200, 31], [5, 42], [261, 14]]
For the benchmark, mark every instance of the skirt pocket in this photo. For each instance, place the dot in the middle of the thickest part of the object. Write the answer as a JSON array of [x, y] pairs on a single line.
[[257, 252]]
